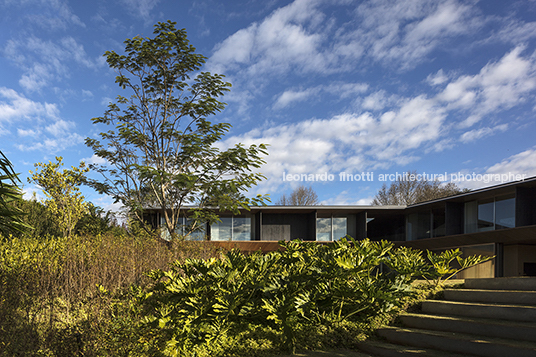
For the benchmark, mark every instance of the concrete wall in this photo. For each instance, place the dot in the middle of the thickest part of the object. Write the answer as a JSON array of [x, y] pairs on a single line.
[[515, 256]]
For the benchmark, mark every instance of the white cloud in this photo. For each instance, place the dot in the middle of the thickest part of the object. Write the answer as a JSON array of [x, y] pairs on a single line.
[[513, 168], [289, 97], [345, 199], [476, 134], [94, 159], [398, 130], [20, 113], [53, 145], [60, 127], [517, 32], [45, 61], [141, 8], [15, 106], [287, 39], [437, 78], [301, 38], [522, 163], [375, 101], [49, 14], [29, 132], [405, 32], [340, 90], [499, 85], [348, 142]]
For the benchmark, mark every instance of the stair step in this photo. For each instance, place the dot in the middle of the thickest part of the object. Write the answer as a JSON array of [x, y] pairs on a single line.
[[385, 349], [491, 296], [491, 311], [522, 331], [517, 283], [458, 343]]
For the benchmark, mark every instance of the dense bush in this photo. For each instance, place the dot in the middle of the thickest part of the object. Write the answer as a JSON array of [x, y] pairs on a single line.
[[201, 305]]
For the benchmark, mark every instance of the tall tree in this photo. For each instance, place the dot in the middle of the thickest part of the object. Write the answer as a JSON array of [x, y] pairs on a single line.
[[300, 196], [10, 194], [161, 151], [407, 192], [64, 199]]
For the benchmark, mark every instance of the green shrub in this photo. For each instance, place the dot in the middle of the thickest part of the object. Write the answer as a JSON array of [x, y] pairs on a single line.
[[199, 304]]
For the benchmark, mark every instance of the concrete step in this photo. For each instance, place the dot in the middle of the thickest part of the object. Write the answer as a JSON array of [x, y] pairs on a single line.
[[522, 331], [385, 349], [491, 296], [458, 343], [490, 311], [517, 283]]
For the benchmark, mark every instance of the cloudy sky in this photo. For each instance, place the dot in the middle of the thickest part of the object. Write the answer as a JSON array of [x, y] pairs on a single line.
[[336, 88]]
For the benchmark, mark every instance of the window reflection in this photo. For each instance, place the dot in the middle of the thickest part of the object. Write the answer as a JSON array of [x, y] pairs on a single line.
[[505, 213], [231, 228], [323, 229], [332, 228]]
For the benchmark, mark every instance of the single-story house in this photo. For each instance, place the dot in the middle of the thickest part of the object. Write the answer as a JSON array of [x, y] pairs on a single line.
[[498, 220]]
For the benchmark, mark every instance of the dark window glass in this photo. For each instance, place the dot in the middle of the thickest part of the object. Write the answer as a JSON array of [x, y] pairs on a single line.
[[505, 213], [485, 215]]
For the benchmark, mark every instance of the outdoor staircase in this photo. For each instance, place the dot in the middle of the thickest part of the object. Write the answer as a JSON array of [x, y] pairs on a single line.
[[488, 317]]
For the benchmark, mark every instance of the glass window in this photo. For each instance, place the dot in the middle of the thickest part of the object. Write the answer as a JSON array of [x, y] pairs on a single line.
[[418, 225], [486, 215], [222, 230], [339, 228], [505, 212], [323, 229], [241, 228], [438, 216], [471, 209]]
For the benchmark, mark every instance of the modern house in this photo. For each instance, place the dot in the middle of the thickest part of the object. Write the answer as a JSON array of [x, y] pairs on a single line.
[[498, 220]]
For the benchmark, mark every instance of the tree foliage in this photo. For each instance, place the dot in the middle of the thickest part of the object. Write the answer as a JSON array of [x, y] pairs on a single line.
[[162, 149], [407, 192], [10, 215], [38, 216], [64, 199], [300, 196]]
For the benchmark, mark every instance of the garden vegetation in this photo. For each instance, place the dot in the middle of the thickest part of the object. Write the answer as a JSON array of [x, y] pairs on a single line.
[[131, 295]]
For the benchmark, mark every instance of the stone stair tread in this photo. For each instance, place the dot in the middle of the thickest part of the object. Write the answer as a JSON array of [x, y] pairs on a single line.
[[478, 303], [506, 283], [468, 337], [500, 296], [382, 348], [514, 330], [479, 309], [497, 322]]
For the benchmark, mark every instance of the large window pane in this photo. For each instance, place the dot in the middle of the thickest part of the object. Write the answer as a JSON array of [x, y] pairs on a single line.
[[505, 213], [241, 228], [222, 230], [418, 225], [438, 226], [485, 216], [339, 227], [323, 229], [471, 221]]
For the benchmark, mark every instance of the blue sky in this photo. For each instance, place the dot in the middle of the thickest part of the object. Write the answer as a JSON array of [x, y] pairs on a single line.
[[378, 87]]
